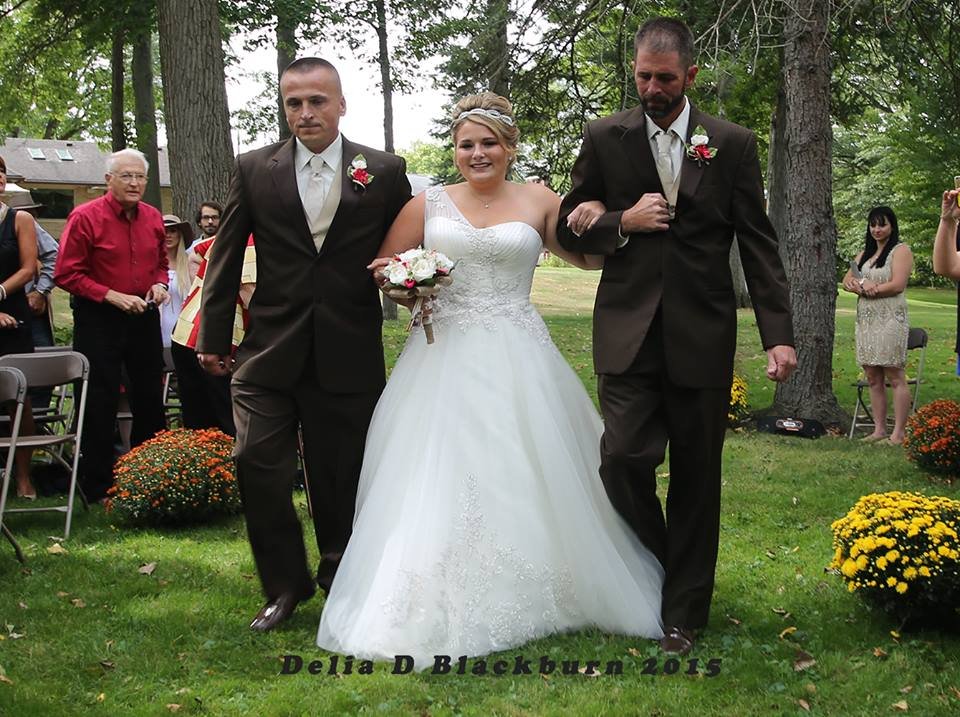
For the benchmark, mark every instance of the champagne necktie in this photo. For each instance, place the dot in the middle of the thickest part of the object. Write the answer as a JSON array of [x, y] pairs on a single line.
[[665, 168]]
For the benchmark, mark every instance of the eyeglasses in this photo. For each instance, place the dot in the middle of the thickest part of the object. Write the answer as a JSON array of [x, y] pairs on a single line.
[[128, 177], [209, 218]]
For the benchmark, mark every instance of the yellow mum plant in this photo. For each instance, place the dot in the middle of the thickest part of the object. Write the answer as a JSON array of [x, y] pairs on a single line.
[[900, 551], [177, 476], [738, 400]]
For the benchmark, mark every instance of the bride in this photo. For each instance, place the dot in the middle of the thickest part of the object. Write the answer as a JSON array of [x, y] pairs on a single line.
[[481, 519]]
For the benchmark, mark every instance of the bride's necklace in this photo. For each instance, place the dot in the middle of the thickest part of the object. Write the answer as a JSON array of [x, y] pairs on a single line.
[[484, 202]]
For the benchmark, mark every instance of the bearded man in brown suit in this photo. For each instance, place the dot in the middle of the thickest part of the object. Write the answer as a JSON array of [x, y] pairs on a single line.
[[319, 207], [665, 319]]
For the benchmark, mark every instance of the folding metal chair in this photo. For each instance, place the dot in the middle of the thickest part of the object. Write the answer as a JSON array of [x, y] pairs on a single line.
[[49, 369], [916, 339], [13, 387], [171, 399]]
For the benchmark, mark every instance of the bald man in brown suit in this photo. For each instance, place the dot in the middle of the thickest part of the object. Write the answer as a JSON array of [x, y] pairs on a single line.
[[313, 353]]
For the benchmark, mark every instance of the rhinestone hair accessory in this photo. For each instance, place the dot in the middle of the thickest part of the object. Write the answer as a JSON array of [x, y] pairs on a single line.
[[493, 114]]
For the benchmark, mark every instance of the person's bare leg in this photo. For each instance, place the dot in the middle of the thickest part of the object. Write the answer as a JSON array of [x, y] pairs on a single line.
[[878, 401], [901, 401]]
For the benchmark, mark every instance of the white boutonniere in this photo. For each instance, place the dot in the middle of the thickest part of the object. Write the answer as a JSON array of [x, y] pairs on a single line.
[[699, 150], [358, 173]]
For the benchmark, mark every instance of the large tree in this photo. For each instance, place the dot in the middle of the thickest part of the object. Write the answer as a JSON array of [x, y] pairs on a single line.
[[195, 102], [800, 192]]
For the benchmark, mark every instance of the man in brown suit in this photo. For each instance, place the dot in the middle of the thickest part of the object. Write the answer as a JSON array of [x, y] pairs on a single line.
[[665, 321], [319, 207]]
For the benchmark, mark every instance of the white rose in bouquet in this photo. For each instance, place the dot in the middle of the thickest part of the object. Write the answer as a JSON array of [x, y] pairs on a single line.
[[444, 265], [397, 274], [423, 268]]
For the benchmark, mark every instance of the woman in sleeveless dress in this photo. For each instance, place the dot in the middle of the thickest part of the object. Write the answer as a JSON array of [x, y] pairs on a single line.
[[882, 326], [481, 521], [18, 265]]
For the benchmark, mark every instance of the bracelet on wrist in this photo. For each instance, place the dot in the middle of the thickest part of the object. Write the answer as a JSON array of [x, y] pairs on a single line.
[[3, 292]]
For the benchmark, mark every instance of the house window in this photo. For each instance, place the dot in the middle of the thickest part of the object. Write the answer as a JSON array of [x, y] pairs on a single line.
[[64, 155], [36, 153], [57, 203]]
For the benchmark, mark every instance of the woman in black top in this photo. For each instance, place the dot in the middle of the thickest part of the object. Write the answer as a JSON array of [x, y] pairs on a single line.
[[18, 264]]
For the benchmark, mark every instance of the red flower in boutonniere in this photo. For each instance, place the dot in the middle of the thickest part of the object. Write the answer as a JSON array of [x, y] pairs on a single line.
[[358, 173], [699, 150]]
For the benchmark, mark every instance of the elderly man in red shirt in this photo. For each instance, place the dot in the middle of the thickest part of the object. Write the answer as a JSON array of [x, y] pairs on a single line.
[[113, 261]]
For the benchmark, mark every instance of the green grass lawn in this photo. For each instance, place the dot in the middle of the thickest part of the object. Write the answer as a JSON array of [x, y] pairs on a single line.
[[85, 633]]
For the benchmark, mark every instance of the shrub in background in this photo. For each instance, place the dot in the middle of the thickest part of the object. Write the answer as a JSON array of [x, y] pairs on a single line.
[[178, 476], [900, 551], [933, 437]]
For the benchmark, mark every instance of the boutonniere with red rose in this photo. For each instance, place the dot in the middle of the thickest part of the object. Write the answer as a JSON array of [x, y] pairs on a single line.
[[699, 149], [358, 173]]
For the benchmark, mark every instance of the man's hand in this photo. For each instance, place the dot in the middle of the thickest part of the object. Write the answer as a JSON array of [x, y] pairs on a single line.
[[585, 215], [7, 321], [38, 303], [127, 303], [649, 214], [216, 364], [157, 295], [781, 360], [376, 266]]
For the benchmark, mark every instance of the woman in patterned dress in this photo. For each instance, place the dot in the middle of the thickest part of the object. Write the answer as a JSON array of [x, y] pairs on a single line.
[[882, 326]]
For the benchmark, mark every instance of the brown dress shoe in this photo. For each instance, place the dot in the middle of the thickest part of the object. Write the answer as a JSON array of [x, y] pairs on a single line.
[[276, 611], [677, 641]]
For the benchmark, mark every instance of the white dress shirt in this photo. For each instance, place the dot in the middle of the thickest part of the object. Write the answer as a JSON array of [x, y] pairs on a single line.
[[680, 125], [332, 157]]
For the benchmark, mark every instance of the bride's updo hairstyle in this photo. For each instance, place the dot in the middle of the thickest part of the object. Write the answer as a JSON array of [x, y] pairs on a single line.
[[493, 112]]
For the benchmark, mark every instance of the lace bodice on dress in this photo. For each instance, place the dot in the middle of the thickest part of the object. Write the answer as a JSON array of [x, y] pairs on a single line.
[[494, 270]]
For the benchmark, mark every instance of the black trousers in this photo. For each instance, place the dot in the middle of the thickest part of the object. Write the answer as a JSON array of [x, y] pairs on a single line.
[[204, 399], [113, 340], [643, 411], [334, 432]]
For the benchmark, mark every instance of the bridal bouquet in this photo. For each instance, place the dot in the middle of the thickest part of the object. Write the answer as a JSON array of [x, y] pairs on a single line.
[[418, 273]]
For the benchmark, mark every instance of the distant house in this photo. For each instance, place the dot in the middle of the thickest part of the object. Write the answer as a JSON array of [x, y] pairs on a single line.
[[61, 174]]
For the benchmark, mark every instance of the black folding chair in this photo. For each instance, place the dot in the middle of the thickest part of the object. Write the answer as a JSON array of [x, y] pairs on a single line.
[[862, 418]]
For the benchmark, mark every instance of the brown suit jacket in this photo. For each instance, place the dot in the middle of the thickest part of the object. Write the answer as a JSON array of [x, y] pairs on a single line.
[[685, 269], [324, 305]]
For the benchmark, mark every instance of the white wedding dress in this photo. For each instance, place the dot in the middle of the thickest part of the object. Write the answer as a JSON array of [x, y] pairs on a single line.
[[481, 519]]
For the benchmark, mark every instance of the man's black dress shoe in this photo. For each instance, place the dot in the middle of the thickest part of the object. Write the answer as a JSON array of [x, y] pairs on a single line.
[[276, 611], [328, 571], [677, 641]]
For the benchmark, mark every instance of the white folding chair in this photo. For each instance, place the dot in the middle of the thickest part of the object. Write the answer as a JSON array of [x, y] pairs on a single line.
[[51, 369], [13, 387]]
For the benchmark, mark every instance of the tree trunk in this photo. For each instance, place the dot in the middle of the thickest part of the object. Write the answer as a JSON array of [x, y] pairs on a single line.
[[386, 81], [497, 55], [195, 102], [740, 292], [145, 113], [801, 207], [118, 135], [286, 53]]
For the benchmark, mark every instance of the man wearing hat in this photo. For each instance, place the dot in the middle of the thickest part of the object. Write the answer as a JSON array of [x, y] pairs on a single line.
[[38, 293]]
